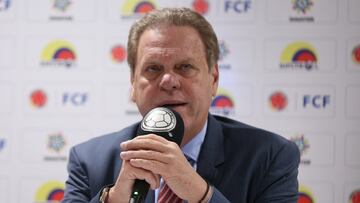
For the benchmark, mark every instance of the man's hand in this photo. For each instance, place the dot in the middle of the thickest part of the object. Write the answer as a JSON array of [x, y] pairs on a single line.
[[150, 157]]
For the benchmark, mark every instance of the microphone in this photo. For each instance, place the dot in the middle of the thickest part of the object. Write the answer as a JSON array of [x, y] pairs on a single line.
[[163, 122]]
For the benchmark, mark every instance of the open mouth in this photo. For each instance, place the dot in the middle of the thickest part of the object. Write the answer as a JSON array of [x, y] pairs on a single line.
[[173, 105]]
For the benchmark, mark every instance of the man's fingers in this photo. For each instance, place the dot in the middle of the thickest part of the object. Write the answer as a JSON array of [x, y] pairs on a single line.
[[148, 142], [146, 154], [149, 165], [142, 174], [153, 137]]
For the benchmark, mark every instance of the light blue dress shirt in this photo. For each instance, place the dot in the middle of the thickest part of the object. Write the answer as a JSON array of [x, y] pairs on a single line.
[[191, 150]]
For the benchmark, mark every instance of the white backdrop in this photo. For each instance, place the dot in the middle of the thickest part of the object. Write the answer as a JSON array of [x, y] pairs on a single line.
[[48, 105]]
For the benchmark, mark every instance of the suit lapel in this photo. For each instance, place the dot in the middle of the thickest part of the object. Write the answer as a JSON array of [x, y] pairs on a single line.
[[212, 152]]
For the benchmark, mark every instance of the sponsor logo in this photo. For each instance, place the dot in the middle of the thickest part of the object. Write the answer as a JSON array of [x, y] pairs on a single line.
[[223, 103], [200, 6], [303, 145], [356, 55], [38, 98], [239, 7], [118, 53], [278, 101], [305, 195], [136, 8], [55, 144], [224, 52], [302, 7], [299, 56], [51, 191], [4, 5], [58, 53], [75, 99], [355, 196], [316, 101], [2, 144], [61, 5]]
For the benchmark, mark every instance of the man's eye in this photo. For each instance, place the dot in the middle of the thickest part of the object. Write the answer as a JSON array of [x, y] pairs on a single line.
[[153, 68], [152, 71], [186, 70], [184, 67]]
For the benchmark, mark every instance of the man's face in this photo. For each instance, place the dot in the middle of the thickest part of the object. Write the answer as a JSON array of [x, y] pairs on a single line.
[[171, 70]]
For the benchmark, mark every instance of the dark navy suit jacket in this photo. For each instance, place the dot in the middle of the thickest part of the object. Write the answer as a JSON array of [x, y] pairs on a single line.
[[243, 163]]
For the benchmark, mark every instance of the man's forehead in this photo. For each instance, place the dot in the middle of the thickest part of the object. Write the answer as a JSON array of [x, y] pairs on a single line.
[[167, 34], [154, 54], [168, 44]]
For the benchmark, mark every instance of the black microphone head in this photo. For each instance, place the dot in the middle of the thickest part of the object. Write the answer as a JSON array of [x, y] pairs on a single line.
[[164, 122]]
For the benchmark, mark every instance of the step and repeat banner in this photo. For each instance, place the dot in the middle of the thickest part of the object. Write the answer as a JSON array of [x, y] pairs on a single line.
[[289, 66]]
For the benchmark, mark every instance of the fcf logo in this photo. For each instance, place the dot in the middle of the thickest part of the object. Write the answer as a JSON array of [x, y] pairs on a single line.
[[242, 6], [316, 101], [76, 99]]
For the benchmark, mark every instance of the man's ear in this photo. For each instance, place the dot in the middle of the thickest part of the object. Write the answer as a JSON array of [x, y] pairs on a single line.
[[215, 77], [132, 91]]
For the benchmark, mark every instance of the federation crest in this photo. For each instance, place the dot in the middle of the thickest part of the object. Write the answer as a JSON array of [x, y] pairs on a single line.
[[160, 120]]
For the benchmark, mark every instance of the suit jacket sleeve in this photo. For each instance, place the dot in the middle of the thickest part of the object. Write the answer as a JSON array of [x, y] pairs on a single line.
[[77, 185], [217, 197], [279, 183]]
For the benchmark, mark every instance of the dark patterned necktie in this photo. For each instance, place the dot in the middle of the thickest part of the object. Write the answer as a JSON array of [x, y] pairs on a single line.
[[166, 195]]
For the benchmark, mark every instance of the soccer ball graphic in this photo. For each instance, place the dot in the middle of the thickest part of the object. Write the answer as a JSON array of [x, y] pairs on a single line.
[[159, 119]]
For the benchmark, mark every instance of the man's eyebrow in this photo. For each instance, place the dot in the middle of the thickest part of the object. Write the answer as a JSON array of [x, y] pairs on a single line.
[[186, 60]]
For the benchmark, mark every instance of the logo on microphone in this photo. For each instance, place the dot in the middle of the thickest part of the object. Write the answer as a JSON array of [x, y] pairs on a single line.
[[159, 119]]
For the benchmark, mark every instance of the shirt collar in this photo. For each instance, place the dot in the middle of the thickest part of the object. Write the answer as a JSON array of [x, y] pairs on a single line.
[[192, 148]]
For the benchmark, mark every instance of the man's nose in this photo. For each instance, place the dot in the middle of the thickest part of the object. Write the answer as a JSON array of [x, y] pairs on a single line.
[[169, 81]]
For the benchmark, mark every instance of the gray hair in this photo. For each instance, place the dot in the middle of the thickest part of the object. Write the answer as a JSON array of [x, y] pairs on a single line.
[[177, 17]]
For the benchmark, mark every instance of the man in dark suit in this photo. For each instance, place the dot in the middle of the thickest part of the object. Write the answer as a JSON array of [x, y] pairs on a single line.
[[173, 57]]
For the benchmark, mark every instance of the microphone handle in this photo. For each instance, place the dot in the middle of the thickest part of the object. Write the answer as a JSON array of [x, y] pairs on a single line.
[[140, 189]]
